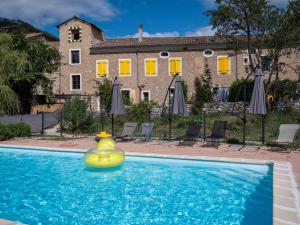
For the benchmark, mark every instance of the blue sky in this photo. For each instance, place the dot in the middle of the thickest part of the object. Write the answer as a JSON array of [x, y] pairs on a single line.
[[119, 18]]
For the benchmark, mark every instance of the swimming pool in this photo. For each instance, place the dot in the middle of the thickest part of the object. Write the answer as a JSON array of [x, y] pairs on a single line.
[[40, 187]]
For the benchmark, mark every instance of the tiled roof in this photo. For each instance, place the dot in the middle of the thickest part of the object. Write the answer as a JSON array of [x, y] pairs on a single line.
[[155, 43]]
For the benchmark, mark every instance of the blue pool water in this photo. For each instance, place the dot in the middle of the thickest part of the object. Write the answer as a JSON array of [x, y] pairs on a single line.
[[39, 187]]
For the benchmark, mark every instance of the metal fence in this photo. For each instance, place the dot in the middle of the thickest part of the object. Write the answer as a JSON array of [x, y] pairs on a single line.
[[38, 122]]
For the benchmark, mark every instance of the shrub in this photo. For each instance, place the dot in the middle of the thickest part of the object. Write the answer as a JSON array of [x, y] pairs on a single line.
[[236, 90], [76, 117], [282, 88], [104, 91], [14, 130], [203, 91], [141, 111]]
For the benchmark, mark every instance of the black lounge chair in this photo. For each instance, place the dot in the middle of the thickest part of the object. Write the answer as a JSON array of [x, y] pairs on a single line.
[[145, 132], [218, 132], [192, 134], [127, 132]]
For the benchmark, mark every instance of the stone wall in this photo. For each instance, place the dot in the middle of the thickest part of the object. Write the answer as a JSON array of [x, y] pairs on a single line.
[[223, 107]]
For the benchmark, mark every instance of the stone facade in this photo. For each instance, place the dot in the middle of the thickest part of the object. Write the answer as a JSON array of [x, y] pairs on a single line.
[[193, 63]]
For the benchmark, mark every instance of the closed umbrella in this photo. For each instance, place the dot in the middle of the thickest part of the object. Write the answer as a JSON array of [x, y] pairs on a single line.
[[117, 105], [178, 102], [258, 100]]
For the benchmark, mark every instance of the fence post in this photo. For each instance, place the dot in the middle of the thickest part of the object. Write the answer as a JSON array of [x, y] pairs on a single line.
[[43, 123], [60, 122], [204, 124]]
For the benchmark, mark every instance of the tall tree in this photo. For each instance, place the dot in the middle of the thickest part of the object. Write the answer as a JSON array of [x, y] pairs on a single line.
[[261, 26]]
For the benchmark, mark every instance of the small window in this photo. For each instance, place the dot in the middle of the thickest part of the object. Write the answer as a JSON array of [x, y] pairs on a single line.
[[246, 60], [126, 96], [164, 55], [124, 67], [75, 82], [172, 90], [150, 67], [74, 34], [265, 63], [146, 96], [208, 53], [74, 56], [175, 65]]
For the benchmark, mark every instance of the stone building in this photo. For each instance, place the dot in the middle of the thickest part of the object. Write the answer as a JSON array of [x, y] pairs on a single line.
[[145, 65]]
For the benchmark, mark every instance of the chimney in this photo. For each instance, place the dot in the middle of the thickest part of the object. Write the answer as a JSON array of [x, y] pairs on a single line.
[[140, 33]]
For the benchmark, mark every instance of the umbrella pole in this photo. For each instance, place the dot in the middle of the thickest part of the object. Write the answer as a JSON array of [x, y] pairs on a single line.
[[262, 129], [112, 125], [170, 119], [244, 115]]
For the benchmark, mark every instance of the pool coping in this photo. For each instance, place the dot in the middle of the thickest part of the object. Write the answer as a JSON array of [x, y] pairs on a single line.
[[286, 199]]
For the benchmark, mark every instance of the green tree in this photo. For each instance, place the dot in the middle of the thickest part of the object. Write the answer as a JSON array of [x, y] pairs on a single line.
[[203, 90], [184, 90], [25, 66], [76, 117], [236, 86], [104, 92], [12, 65], [262, 26]]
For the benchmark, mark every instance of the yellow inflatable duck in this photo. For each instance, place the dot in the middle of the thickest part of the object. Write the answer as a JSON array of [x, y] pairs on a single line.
[[106, 155]]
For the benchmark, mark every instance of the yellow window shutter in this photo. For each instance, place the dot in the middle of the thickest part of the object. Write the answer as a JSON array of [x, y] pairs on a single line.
[[172, 66], [148, 68], [153, 69], [127, 67], [223, 65], [124, 67], [101, 68], [178, 66]]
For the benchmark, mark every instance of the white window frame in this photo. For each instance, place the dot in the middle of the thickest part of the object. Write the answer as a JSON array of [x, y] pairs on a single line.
[[107, 68], [127, 89], [120, 68], [70, 55], [170, 58], [146, 91], [219, 56], [208, 56], [98, 104], [71, 81], [246, 57], [164, 57], [145, 67]]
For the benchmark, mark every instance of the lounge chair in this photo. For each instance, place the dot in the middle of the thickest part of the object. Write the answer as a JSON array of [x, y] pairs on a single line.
[[287, 134], [145, 132], [127, 132], [192, 133], [218, 132]]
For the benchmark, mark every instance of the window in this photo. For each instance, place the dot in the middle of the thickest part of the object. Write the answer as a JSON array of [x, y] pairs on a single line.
[[74, 56], [265, 63], [175, 65], [150, 67], [75, 82], [101, 68], [223, 65], [246, 61], [146, 96], [126, 96], [124, 67], [208, 53], [172, 90], [74, 34], [164, 55]]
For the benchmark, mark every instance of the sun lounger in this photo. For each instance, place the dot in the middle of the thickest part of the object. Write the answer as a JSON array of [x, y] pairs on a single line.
[[127, 132], [145, 132], [218, 132], [192, 134], [287, 134]]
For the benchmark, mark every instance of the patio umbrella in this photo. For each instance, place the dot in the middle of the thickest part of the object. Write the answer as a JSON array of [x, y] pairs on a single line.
[[258, 100], [178, 102], [117, 105]]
